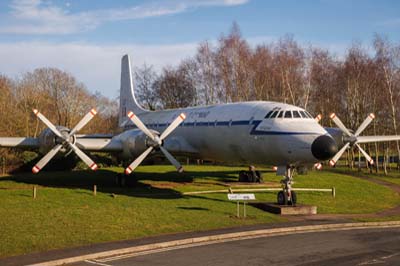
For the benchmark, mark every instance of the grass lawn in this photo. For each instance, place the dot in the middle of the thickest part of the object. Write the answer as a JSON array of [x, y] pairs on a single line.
[[393, 175], [65, 212]]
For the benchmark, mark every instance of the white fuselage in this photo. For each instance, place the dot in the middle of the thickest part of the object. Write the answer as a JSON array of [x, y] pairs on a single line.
[[239, 132]]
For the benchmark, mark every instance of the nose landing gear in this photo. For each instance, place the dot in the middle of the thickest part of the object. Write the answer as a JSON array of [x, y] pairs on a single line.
[[287, 196]]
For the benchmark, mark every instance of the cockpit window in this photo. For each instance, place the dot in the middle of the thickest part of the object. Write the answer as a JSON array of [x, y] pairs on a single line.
[[280, 115], [269, 114], [274, 114], [303, 114], [296, 114], [288, 114]]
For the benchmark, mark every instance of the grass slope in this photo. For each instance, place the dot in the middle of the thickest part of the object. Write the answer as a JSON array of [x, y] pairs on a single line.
[[66, 213]]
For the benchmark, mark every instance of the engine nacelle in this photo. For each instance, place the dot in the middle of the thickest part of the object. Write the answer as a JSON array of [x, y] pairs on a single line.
[[47, 140], [337, 135], [134, 143]]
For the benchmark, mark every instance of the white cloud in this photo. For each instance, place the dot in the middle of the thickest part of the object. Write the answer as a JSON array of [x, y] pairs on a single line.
[[39, 17], [97, 66]]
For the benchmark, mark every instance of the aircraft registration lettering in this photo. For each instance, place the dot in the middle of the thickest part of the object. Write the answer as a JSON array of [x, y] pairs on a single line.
[[199, 114]]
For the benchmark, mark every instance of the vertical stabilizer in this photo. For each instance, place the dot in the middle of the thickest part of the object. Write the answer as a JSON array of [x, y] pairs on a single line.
[[127, 100]]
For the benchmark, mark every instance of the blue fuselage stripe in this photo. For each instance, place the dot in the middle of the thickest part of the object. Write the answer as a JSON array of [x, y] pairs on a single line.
[[253, 131]]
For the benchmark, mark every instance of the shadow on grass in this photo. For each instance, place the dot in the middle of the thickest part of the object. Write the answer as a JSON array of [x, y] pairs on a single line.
[[105, 181], [137, 185], [193, 208]]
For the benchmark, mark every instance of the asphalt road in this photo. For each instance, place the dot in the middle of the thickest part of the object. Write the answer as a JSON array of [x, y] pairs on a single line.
[[351, 247]]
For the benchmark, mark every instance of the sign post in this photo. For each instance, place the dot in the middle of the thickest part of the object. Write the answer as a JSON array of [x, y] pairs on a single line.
[[241, 197]]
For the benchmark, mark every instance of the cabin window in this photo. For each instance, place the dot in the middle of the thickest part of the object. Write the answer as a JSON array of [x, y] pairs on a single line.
[[274, 114], [303, 114], [296, 114], [288, 114], [269, 114], [280, 114], [308, 114]]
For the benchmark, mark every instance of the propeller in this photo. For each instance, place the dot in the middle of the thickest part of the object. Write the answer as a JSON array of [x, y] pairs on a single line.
[[318, 166], [351, 139], [66, 139], [156, 142]]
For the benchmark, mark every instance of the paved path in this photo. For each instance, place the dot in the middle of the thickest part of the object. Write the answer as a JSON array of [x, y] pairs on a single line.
[[351, 247]]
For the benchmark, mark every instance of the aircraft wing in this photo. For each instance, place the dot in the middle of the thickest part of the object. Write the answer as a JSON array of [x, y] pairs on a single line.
[[89, 143], [24, 143], [99, 144]]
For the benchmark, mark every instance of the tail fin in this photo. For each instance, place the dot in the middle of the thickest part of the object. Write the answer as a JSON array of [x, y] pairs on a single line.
[[127, 100]]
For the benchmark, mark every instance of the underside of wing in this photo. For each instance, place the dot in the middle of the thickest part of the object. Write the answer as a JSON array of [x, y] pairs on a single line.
[[99, 144], [24, 143]]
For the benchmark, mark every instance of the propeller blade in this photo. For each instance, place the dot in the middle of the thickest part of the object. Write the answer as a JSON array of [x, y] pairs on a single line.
[[364, 124], [367, 139], [140, 125], [48, 123], [318, 166], [86, 119], [137, 161], [173, 125], [171, 158], [86, 159], [335, 158], [42, 163], [340, 125], [369, 159]]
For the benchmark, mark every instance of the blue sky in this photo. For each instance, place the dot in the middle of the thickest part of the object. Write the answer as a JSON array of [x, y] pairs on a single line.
[[87, 38]]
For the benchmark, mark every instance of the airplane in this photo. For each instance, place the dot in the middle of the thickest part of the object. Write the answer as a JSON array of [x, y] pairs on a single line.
[[257, 132]]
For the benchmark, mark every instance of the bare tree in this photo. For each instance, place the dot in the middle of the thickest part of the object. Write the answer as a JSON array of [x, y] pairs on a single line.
[[145, 76], [174, 88], [325, 88], [387, 58], [290, 61], [264, 79], [209, 91], [10, 120], [233, 58]]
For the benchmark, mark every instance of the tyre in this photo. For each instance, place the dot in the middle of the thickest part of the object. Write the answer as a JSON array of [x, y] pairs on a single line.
[[243, 176], [258, 177], [293, 200], [281, 198]]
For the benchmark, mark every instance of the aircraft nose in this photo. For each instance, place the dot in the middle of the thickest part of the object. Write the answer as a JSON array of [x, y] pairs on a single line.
[[324, 147]]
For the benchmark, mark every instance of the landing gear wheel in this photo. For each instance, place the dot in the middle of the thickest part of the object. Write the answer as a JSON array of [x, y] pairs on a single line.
[[243, 176], [293, 200], [281, 198]]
